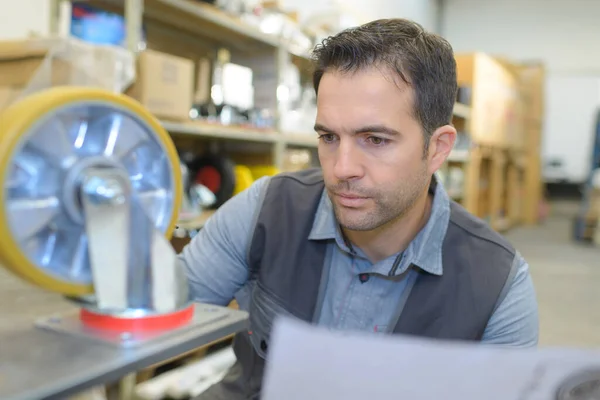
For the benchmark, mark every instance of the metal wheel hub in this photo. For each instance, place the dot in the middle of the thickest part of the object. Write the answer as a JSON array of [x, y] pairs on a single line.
[[73, 181]]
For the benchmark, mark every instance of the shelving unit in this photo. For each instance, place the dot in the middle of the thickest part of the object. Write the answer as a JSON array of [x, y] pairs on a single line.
[[217, 30], [501, 180], [493, 181], [499, 168], [499, 136]]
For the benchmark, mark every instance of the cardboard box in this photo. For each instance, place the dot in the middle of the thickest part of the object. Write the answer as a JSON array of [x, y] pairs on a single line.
[[20, 60], [37, 64], [8, 95], [164, 84]]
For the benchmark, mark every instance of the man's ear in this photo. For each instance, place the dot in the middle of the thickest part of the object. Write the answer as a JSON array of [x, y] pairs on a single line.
[[441, 144]]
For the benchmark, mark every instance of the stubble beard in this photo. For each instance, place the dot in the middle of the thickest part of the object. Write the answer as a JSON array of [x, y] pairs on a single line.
[[390, 205]]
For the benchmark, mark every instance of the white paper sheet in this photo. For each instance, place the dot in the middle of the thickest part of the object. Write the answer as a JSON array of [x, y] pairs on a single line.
[[308, 362]]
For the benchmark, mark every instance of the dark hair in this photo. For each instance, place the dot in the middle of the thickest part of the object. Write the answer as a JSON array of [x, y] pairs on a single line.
[[423, 60]]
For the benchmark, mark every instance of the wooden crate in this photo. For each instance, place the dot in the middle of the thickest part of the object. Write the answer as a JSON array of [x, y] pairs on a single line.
[[533, 192], [532, 79], [494, 98], [478, 184], [516, 117], [515, 187], [532, 83], [497, 189]]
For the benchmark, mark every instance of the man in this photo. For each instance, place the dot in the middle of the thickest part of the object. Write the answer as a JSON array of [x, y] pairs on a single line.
[[370, 241]]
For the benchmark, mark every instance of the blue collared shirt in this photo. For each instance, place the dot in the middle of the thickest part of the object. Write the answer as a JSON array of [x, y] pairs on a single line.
[[359, 294]]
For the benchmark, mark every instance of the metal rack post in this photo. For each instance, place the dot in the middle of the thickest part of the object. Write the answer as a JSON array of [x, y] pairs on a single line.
[[134, 13]]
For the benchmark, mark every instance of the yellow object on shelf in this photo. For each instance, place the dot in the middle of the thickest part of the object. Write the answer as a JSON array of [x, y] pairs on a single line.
[[258, 171], [243, 178]]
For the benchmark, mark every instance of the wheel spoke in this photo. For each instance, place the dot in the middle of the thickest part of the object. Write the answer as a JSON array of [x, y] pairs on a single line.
[[153, 201], [80, 134], [48, 248], [120, 134], [19, 176], [108, 133], [29, 216], [53, 141]]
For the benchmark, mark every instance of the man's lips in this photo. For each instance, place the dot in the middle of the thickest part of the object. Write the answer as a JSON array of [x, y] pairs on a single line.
[[350, 200], [349, 195]]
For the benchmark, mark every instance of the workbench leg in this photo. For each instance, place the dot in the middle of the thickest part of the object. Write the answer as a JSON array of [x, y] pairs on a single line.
[[127, 387], [122, 390]]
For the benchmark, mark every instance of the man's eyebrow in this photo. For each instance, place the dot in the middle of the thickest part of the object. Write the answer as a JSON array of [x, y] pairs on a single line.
[[365, 129], [377, 129], [323, 128]]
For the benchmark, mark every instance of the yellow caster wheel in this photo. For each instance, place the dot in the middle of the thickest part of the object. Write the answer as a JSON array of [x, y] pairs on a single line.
[[48, 139], [258, 171], [243, 178]]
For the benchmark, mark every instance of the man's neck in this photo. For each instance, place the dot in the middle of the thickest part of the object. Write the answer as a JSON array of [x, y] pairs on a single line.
[[396, 235]]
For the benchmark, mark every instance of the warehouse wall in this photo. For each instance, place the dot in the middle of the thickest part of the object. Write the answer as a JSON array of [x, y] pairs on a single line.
[[423, 11], [565, 34], [21, 18]]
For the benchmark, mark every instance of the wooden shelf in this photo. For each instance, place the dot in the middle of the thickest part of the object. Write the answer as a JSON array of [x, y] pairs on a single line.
[[216, 131], [201, 20], [300, 139]]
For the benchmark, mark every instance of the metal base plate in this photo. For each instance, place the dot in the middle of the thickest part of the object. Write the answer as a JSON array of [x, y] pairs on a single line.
[[72, 325], [59, 358]]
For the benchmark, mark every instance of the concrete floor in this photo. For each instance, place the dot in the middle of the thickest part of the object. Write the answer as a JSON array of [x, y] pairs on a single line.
[[566, 276], [567, 279]]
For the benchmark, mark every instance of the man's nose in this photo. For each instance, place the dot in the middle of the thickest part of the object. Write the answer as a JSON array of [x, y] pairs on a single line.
[[347, 161]]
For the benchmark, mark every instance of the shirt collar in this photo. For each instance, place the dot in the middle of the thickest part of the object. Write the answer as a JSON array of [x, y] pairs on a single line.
[[425, 251]]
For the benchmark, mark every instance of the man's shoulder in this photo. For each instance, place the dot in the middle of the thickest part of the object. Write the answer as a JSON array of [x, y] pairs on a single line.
[[304, 177], [479, 233], [292, 190]]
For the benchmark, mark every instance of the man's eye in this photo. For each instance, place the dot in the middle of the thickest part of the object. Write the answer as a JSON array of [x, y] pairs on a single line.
[[327, 137], [377, 141]]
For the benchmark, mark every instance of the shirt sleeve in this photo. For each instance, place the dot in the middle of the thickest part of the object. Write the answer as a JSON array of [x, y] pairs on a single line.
[[215, 259], [515, 322]]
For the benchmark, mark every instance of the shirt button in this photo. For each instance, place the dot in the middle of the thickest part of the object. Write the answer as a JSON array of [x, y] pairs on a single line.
[[363, 278]]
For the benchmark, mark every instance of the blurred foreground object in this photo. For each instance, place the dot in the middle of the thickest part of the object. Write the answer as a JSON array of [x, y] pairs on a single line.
[[308, 362], [91, 194]]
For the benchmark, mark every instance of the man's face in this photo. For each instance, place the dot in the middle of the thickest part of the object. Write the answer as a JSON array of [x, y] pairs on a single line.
[[370, 148]]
